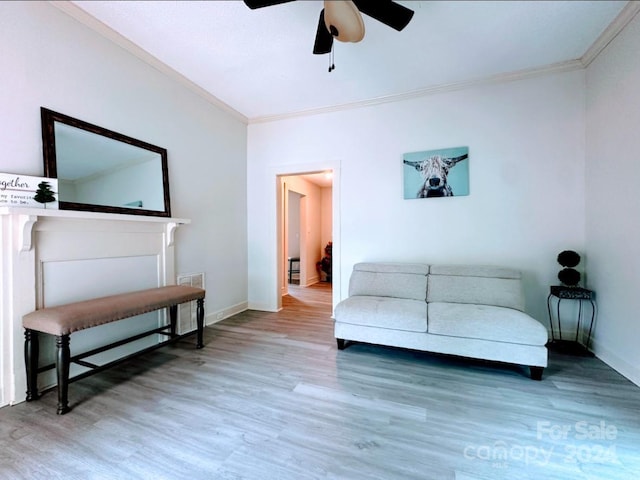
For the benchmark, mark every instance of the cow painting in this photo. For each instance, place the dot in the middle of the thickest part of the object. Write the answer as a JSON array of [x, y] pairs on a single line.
[[434, 171]]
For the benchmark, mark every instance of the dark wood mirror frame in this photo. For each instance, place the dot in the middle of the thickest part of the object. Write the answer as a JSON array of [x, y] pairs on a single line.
[[49, 118]]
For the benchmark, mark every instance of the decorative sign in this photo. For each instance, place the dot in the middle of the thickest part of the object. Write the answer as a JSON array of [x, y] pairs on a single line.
[[26, 191]]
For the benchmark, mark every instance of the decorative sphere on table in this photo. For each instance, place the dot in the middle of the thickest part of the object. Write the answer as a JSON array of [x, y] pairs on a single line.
[[568, 275]]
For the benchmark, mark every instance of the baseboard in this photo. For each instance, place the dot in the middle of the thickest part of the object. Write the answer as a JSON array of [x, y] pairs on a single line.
[[312, 280], [618, 364], [263, 307], [218, 316]]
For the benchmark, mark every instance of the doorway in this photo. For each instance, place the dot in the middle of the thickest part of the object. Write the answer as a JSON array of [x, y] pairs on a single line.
[[305, 226]]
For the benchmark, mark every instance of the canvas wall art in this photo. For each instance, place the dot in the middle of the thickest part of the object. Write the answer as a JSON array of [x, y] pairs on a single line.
[[436, 173]]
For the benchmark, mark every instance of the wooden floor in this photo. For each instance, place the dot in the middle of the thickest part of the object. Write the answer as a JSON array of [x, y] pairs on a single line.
[[270, 397]]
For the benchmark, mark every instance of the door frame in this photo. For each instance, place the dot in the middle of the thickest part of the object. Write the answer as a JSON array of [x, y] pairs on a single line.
[[292, 170]]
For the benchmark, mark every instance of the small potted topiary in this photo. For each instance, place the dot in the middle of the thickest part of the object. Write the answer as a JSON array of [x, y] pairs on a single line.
[[325, 265], [569, 276]]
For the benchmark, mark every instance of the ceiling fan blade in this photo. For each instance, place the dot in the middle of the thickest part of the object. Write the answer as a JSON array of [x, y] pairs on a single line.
[[386, 11], [324, 39], [253, 4]]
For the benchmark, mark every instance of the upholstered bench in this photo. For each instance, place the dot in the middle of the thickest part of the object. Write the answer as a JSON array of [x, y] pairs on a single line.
[[61, 321]]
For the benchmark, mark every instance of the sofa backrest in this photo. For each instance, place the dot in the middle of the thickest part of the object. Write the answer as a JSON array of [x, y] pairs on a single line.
[[482, 285], [399, 280]]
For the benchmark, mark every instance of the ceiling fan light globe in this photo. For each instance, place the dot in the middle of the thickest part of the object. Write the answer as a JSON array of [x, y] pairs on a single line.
[[343, 18]]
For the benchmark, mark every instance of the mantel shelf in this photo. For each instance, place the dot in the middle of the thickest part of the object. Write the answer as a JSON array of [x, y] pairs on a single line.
[[43, 212], [28, 217]]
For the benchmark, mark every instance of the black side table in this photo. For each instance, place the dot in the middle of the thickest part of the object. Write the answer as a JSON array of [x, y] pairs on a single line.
[[571, 346]]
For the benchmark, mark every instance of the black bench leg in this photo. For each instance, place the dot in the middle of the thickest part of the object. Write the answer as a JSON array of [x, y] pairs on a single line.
[[31, 354], [63, 357], [173, 319], [200, 321]]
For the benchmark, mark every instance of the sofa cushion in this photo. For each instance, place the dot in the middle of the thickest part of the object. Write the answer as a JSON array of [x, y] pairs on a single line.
[[476, 271], [475, 284], [383, 312], [399, 280], [414, 268], [485, 322]]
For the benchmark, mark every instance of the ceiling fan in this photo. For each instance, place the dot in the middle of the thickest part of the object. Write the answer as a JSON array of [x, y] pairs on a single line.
[[342, 19]]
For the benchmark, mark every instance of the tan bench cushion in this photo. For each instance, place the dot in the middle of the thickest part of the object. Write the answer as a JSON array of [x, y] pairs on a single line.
[[72, 317]]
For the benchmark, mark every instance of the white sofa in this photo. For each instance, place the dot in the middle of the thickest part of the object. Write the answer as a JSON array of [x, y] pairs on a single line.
[[470, 311]]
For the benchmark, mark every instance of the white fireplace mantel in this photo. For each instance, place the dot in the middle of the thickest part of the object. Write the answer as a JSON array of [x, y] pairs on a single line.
[[50, 257], [27, 217]]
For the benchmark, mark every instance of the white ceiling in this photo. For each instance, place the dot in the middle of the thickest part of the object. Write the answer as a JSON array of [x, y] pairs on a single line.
[[260, 62]]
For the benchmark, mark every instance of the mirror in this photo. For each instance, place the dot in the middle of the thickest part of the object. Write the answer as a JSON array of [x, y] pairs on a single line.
[[99, 170]]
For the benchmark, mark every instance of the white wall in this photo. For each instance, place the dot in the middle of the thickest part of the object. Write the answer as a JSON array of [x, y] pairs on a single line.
[[326, 232], [526, 144], [49, 59], [613, 198], [293, 227]]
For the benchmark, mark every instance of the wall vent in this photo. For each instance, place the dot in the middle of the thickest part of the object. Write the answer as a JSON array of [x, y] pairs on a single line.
[[187, 311]]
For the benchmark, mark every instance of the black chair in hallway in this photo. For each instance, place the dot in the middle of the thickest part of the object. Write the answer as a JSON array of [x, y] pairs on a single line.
[[293, 260]]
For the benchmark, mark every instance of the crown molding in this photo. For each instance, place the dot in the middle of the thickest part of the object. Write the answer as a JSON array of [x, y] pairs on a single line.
[[560, 67], [627, 14], [104, 30], [629, 11]]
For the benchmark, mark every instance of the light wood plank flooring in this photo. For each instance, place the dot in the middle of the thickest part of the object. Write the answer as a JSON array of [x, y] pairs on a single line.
[[270, 397]]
